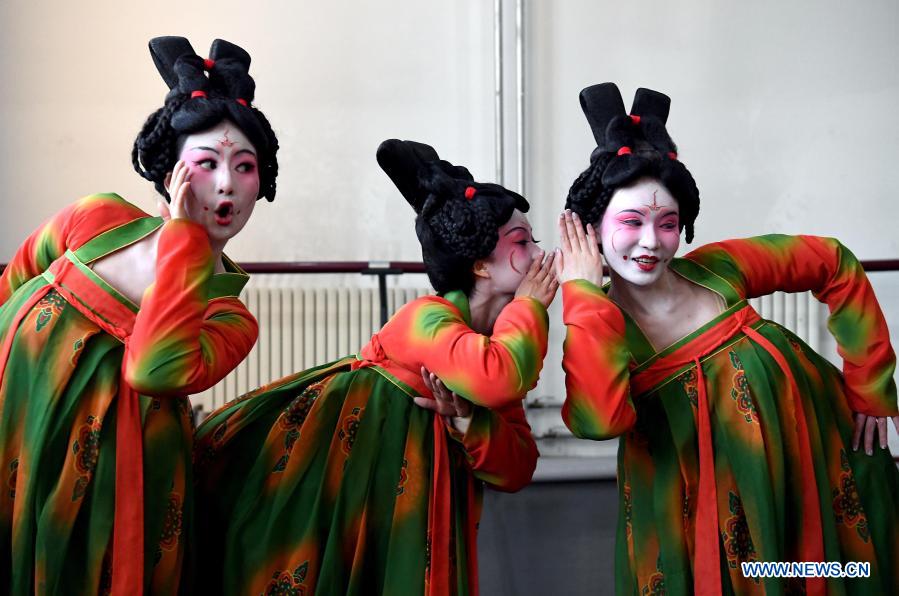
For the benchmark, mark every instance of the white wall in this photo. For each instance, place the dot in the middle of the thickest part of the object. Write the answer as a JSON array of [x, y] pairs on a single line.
[[785, 112], [335, 78]]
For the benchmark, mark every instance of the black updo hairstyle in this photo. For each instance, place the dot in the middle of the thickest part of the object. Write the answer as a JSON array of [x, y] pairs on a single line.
[[630, 147], [458, 219], [196, 102]]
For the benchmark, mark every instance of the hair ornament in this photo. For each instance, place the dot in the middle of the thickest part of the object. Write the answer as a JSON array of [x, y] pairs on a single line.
[[469, 192], [223, 81], [625, 152]]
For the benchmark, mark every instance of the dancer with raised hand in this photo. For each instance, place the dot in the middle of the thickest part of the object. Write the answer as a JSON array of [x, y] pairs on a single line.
[[109, 319], [737, 440], [356, 476]]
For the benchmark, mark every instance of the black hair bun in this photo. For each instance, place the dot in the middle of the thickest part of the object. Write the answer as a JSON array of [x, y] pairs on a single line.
[[198, 101], [458, 219], [630, 147]]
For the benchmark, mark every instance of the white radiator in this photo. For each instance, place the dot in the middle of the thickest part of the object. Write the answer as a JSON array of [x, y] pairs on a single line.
[[301, 327]]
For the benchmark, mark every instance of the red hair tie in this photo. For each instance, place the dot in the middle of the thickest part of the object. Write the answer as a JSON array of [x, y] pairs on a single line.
[[208, 63], [242, 101], [672, 155], [635, 119], [624, 150], [196, 94], [469, 192]]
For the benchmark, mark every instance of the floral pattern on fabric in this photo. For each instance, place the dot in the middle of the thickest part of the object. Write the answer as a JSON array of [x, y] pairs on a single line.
[[737, 541], [740, 392], [847, 506], [287, 583], [171, 527], [62, 374], [779, 414], [205, 454], [689, 380], [86, 449], [293, 418], [656, 584], [77, 346], [50, 306], [348, 429], [404, 476], [628, 509], [11, 479]]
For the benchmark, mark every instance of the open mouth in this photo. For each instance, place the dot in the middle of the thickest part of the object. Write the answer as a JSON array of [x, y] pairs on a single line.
[[646, 262], [224, 213]]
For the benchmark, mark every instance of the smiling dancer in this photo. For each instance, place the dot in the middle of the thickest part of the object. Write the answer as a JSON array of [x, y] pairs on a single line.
[[109, 319], [738, 441], [334, 480]]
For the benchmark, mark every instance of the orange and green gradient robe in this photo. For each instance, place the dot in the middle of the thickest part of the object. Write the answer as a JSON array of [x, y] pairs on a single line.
[[332, 480], [747, 457], [64, 333]]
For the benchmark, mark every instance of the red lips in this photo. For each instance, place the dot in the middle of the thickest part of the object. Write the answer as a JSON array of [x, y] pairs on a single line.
[[224, 213], [646, 262]]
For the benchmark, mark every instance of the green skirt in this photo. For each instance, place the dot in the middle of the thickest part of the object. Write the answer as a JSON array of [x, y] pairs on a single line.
[[322, 483], [57, 457]]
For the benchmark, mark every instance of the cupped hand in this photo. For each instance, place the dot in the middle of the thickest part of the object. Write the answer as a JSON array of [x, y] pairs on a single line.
[[540, 280], [180, 194], [457, 411], [579, 256]]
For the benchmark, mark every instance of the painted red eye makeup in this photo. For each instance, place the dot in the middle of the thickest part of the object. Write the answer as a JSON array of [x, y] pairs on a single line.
[[203, 164]]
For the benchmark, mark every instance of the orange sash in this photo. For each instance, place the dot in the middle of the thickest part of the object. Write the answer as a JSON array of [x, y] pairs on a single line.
[[707, 555], [116, 319], [439, 578]]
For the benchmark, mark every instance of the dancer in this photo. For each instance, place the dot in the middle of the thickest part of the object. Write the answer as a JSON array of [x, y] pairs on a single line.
[[737, 439], [109, 319], [334, 480]]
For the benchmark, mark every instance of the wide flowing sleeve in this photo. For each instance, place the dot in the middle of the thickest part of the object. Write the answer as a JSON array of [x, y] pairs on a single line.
[[68, 229], [183, 343], [499, 447], [596, 362], [823, 266], [490, 371]]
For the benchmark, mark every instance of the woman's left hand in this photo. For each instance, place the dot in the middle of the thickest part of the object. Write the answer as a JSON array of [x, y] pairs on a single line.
[[868, 425], [457, 411], [579, 256], [179, 192]]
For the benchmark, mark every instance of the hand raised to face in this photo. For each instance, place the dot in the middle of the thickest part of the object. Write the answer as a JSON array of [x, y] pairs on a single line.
[[180, 192], [578, 256], [219, 168], [540, 280]]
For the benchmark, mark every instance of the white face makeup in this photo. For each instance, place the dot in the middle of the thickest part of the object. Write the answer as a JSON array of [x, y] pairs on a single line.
[[640, 231], [514, 252], [224, 179]]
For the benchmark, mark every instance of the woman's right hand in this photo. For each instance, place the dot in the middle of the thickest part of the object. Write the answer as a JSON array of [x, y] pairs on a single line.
[[579, 256], [180, 193], [540, 281]]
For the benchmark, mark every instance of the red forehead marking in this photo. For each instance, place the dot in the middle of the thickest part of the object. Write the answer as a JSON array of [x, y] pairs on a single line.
[[226, 142], [655, 206]]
